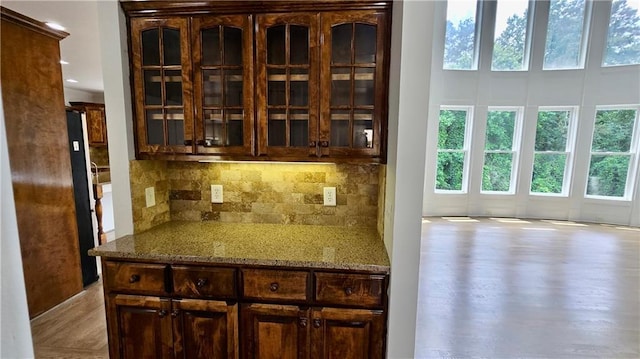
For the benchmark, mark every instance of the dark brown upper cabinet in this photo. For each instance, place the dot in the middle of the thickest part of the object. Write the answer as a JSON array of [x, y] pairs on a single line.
[[287, 84], [223, 79], [162, 86], [246, 80]]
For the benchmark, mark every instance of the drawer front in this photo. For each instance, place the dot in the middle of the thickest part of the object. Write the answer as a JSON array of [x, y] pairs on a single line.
[[349, 289], [274, 284], [140, 278], [204, 282]]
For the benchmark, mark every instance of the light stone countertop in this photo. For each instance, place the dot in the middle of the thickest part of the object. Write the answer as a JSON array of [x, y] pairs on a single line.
[[327, 247]]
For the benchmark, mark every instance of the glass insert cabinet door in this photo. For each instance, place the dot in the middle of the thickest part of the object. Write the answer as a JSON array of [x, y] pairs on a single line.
[[287, 84], [351, 83], [161, 69], [223, 84]]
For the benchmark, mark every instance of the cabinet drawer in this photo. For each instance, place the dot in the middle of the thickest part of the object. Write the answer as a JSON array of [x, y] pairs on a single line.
[[204, 282], [349, 289], [274, 284], [135, 277]]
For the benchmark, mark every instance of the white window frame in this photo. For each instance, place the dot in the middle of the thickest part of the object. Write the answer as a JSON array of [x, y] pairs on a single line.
[[468, 126], [570, 145], [584, 40], [515, 147], [476, 39], [634, 148], [526, 65]]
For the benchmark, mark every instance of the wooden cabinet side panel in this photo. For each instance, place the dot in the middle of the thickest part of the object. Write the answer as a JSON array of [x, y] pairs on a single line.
[[38, 147], [96, 127]]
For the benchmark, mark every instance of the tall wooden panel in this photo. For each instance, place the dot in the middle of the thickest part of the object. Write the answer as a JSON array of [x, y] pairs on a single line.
[[37, 138]]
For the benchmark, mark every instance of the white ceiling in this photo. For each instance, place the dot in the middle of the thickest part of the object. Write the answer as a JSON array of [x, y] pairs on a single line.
[[82, 47]]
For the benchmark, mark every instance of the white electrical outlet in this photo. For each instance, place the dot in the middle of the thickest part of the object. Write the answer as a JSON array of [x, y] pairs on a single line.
[[150, 196], [329, 196], [216, 193]]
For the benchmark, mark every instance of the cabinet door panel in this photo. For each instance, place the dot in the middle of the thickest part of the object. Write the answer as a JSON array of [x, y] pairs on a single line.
[[223, 79], [143, 327], [205, 329], [287, 84], [162, 86], [353, 83], [347, 334], [275, 331]]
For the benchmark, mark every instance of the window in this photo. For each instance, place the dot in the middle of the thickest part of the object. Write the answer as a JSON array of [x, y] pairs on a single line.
[[512, 36], [552, 152], [501, 150], [565, 46], [453, 147], [613, 153], [460, 44], [623, 39]]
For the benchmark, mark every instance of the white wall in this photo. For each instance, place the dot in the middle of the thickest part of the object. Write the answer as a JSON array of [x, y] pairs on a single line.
[[408, 104], [117, 99], [75, 95], [15, 329], [587, 89]]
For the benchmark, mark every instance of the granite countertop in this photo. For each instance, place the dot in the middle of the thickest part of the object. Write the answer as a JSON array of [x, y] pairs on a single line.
[[328, 247]]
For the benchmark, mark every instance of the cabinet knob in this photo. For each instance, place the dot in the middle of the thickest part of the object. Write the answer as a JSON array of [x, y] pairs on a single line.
[[312, 144], [348, 291], [162, 313], [324, 143], [303, 322], [134, 278], [201, 282], [188, 142], [317, 323], [175, 313], [274, 286]]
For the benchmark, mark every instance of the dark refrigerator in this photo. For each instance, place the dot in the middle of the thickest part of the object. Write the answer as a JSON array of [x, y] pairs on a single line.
[[81, 190]]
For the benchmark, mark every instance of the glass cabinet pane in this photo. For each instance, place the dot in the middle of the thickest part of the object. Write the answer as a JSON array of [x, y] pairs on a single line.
[[365, 43], [235, 133], [175, 127], [299, 87], [155, 133], [341, 44], [277, 82], [171, 46], [340, 86], [173, 87], [277, 128], [152, 87], [362, 129], [212, 87], [233, 88], [276, 45], [363, 90], [213, 134], [150, 47], [299, 45], [340, 128], [232, 46], [210, 46], [299, 128]]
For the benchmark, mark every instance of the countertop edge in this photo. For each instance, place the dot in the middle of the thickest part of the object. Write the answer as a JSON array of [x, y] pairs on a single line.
[[243, 261]]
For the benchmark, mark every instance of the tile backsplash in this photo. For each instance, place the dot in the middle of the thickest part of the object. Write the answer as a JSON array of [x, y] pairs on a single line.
[[285, 193]]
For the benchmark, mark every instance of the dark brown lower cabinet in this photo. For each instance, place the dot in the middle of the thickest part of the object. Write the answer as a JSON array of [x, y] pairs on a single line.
[[283, 331], [154, 327]]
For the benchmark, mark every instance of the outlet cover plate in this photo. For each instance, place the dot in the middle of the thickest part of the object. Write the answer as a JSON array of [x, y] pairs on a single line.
[[329, 196], [150, 196], [216, 193]]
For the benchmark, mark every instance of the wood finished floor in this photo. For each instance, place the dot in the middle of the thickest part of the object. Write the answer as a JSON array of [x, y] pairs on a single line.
[[489, 288], [505, 288]]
